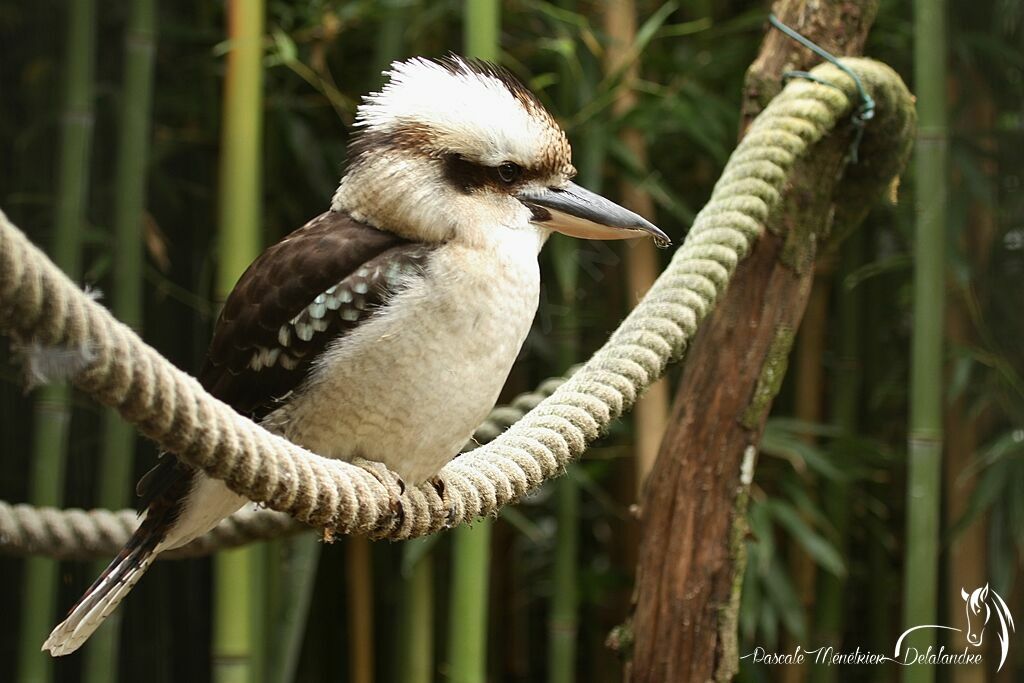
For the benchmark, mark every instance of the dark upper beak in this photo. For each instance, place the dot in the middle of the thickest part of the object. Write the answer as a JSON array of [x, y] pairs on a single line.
[[579, 212]]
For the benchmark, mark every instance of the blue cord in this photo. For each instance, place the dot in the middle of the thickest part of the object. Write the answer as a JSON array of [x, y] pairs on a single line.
[[862, 114]]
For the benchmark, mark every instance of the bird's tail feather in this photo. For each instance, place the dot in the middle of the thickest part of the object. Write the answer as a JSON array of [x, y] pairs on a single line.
[[103, 596]]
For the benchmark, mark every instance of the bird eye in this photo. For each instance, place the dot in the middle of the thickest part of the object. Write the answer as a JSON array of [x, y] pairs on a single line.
[[509, 172]]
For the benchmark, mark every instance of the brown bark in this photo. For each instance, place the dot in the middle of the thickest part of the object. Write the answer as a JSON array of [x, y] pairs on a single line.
[[691, 555]]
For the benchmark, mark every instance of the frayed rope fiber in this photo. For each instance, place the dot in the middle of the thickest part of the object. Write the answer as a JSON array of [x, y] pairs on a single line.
[[40, 305]]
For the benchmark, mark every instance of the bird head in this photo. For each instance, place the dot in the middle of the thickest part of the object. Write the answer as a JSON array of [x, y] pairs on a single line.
[[457, 149]]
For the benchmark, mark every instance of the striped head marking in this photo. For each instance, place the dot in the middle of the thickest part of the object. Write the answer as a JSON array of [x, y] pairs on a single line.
[[460, 150], [444, 130]]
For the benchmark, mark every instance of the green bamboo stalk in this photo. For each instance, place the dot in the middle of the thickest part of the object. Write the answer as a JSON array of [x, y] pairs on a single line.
[[467, 623], [390, 43], [924, 474], [118, 454], [302, 560], [829, 606], [238, 573], [480, 27], [563, 623], [50, 438], [879, 626], [275, 602], [564, 617], [52, 413], [234, 618], [241, 136], [417, 662], [563, 620], [467, 629]]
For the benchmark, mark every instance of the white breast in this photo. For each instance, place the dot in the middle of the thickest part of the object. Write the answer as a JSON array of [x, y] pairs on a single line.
[[409, 386]]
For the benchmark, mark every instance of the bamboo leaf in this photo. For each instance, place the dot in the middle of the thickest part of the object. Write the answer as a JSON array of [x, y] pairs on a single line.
[[783, 600], [1009, 443], [287, 52], [819, 548], [988, 489], [801, 454], [759, 518], [768, 621], [750, 606], [797, 492], [892, 264]]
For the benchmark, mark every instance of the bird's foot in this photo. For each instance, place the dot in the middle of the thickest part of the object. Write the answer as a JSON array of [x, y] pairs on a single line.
[[397, 510], [438, 483], [439, 486], [394, 485]]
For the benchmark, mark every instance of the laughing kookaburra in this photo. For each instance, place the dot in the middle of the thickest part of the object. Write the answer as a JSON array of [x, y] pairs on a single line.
[[384, 328]]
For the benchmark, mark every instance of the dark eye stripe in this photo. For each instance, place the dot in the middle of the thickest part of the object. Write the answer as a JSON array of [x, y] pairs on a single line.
[[468, 176], [465, 175]]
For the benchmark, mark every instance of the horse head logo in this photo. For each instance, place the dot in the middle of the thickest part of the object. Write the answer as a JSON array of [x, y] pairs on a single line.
[[981, 604]]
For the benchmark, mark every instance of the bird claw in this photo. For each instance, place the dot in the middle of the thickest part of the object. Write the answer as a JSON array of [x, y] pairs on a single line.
[[392, 482], [438, 483], [439, 486], [397, 512], [381, 473]]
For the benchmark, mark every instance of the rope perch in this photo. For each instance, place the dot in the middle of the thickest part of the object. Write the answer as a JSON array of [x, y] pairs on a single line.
[[97, 534], [76, 534], [39, 304]]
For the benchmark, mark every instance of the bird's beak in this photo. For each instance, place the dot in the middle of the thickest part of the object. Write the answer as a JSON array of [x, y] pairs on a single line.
[[579, 212]]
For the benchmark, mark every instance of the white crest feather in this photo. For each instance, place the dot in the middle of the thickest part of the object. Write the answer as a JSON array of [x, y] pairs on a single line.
[[467, 111]]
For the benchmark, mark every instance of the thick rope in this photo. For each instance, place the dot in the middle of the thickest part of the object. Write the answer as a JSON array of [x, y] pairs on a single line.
[[38, 304], [76, 534]]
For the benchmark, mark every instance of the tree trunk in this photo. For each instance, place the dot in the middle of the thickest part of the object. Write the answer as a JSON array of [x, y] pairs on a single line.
[[691, 554]]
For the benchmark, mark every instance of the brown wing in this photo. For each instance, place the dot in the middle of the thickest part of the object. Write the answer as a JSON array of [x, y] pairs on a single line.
[[318, 283]]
